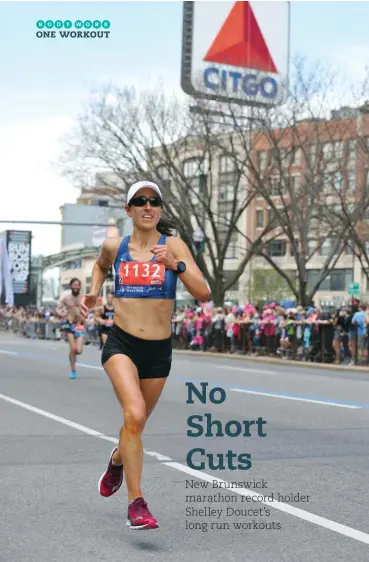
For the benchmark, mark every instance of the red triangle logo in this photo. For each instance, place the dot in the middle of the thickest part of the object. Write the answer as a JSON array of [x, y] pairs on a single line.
[[240, 41]]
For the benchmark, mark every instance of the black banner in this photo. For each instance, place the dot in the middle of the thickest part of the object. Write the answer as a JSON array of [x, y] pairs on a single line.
[[19, 246]]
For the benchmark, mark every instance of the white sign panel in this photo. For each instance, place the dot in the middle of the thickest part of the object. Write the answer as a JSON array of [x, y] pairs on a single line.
[[236, 51]]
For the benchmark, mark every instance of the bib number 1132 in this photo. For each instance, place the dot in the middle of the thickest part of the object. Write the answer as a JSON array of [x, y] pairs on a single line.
[[141, 273]]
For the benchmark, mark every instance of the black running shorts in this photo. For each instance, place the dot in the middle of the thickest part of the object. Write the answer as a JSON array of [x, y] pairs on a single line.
[[153, 358]]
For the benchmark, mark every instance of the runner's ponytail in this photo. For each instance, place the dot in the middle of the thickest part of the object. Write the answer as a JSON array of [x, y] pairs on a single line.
[[167, 227]]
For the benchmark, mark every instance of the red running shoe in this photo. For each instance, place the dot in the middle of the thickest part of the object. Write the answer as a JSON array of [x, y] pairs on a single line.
[[139, 516], [112, 479]]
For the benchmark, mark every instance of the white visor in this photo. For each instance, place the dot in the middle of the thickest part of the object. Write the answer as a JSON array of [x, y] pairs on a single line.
[[139, 185]]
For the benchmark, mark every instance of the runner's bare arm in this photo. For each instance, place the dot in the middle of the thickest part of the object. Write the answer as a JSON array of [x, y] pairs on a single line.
[[59, 308], [192, 278], [98, 316], [101, 268]]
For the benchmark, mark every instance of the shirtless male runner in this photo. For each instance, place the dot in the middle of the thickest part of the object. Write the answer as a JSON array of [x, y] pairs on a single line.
[[65, 310]]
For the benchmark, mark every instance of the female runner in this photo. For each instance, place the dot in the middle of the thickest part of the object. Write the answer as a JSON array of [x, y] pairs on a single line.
[[138, 353]]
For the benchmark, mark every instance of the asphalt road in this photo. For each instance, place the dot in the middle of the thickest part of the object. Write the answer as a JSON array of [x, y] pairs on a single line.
[[56, 435]]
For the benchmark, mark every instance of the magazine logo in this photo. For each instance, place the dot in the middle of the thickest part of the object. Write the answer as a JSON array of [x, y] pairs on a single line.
[[87, 29]]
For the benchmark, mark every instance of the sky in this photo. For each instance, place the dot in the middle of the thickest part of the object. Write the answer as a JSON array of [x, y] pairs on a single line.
[[45, 82]]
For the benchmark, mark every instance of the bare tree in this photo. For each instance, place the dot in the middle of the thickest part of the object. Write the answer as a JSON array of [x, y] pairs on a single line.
[[350, 198], [201, 172], [216, 163], [299, 160]]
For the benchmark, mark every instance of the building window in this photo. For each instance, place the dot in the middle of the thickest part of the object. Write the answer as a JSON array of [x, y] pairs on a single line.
[[327, 246], [164, 172], [312, 247], [349, 249], [328, 151], [164, 177], [192, 167], [338, 150], [332, 182], [276, 248], [227, 164], [259, 218], [313, 276], [294, 183], [337, 280], [275, 186], [296, 157], [231, 251], [351, 180], [333, 151], [226, 192], [283, 156], [262, 160], [193, 172], [337, 181], [314, 222], [312, 152], [351, 150]]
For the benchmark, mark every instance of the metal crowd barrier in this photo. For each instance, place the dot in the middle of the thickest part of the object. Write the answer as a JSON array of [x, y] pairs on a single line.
[[319, 348], [44, 330]]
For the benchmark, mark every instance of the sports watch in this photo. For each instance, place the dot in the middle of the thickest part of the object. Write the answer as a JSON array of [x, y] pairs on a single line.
[[181, 267]]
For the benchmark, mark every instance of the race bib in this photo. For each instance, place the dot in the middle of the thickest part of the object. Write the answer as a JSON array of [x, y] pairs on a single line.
[[108, 322], [141, 273], [79, 328]]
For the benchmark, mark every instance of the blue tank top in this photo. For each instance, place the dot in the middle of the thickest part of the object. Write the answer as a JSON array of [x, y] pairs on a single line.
[[140, 280]]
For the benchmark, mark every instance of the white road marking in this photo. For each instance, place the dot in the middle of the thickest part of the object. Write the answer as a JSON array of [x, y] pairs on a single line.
[[324, 403], [257, 393], [284, 507], [246, 369], [158, 456], [87, 366]]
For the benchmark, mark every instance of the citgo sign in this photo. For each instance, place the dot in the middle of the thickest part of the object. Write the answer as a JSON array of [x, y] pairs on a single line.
[[236, 51]]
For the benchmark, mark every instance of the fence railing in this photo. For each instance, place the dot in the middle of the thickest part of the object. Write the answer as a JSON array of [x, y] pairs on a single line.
[[44, 330], [309, 341], [317, 341]]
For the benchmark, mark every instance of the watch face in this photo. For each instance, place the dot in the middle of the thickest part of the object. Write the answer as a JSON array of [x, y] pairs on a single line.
[[181, 267]]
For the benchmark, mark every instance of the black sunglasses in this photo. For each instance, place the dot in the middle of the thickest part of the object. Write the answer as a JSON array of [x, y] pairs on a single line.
[[142, 200]]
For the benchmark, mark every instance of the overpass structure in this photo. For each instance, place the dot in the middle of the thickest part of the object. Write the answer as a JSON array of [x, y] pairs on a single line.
[[56, 260]]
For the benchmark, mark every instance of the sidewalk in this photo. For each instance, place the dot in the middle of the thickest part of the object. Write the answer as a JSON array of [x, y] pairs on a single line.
[[273, 361]]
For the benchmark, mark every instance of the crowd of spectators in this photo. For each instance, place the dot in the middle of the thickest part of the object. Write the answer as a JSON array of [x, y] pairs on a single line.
[[309, 333]]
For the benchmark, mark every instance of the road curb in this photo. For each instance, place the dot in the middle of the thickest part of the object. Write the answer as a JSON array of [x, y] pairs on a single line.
[[272, 361]]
